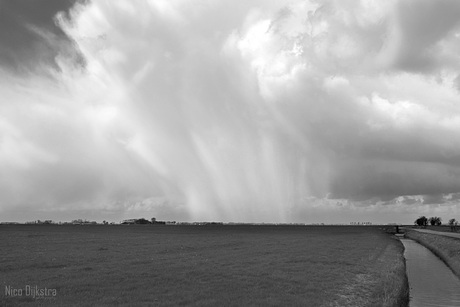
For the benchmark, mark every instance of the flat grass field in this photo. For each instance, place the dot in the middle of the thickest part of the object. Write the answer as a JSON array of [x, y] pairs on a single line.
[[149, 265]]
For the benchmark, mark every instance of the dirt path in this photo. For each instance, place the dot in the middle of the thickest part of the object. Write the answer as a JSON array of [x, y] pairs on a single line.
[[447, 234]]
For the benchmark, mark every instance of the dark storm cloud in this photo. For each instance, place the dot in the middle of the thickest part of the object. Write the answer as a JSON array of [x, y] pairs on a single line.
[[386, 179], [29, 36]]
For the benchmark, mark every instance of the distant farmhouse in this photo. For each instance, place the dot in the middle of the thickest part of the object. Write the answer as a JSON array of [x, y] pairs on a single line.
[[144, 221], [83, 222]]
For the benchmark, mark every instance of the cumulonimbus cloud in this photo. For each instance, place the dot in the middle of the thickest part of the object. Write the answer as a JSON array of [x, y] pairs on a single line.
[[257, 111]]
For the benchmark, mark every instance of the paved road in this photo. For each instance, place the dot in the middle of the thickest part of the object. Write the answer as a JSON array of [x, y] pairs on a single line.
[[447, 234]]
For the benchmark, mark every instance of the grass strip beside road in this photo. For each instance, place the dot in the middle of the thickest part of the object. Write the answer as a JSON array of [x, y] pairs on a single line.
[[384, 284]]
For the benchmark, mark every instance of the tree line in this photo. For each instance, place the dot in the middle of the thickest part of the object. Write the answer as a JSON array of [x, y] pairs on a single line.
[[435, 221]]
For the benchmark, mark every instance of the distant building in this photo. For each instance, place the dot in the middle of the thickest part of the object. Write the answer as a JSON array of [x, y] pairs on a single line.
[[129, 221], [135, 221]]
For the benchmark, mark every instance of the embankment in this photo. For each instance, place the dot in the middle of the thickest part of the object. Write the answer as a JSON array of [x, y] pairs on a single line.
[[446, 248], [394, 277]]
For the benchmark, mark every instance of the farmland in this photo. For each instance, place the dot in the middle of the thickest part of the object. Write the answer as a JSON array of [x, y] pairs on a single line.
[[202, 265]]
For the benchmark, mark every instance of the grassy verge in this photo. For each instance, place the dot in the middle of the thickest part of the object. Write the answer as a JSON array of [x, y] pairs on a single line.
[[442, 228], [446, 248], [384, 284], [203, 265]]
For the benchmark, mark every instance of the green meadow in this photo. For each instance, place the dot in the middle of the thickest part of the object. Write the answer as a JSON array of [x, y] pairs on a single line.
[[148, 265]]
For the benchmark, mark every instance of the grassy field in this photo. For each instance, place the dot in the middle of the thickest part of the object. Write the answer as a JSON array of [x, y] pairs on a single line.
[[203, 265], [446, 248]]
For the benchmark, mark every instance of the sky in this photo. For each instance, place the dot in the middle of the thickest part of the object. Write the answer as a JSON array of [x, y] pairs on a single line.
[[250, 111]]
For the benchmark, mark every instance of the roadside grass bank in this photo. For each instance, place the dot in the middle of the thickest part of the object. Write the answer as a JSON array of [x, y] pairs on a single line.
[[441, 228], [203, 265], [446, 248], [386, 280]]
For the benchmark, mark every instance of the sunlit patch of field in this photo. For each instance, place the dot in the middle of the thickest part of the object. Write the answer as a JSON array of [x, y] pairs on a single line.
[[204, 265]]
